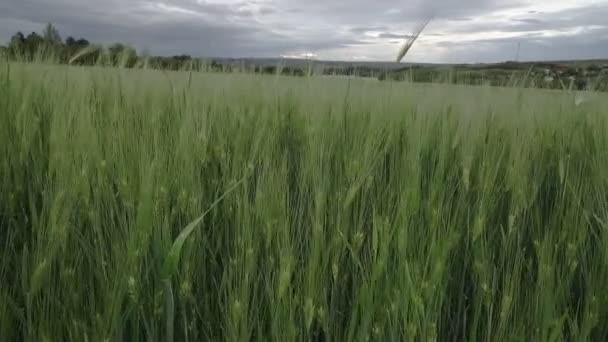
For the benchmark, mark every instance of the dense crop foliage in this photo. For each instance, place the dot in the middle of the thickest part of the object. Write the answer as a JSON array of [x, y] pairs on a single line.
[[337, 209]]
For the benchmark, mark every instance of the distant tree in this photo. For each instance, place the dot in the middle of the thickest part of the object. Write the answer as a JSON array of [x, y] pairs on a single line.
[[17, 38], [71, 48], [51, 35], [82, 42], [299, 72], [183, 57], [122, 55], [74, 45], [271, 69], [70, 41], [382, 76], [17, 43], [114, 52], [116, 48], [216, 66], [180, 61], [594, 68], [33, 42], [128, 59]]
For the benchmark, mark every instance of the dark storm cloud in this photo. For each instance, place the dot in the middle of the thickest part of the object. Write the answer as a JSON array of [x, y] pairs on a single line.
[[462, 29]]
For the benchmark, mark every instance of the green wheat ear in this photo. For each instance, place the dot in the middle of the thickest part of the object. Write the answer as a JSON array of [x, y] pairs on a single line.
[[407, 45], [172, 259]]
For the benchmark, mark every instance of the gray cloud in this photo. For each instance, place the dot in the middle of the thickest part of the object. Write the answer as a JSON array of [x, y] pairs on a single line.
[[394, 35], [561, 20], [532, 47], [362, 29], [577, 33], [531, 21], [169, 27], [463, 30]]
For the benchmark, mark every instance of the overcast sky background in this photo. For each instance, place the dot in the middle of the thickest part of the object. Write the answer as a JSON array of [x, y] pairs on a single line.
[[462, 30]]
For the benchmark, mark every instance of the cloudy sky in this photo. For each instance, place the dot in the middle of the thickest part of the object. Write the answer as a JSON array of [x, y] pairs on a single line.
[[461, 31]]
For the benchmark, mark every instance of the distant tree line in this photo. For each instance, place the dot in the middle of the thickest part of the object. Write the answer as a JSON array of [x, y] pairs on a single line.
[[593, 76], [49, 46]]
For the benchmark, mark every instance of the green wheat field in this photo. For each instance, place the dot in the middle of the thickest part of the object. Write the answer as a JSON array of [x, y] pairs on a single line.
[[140, 205]]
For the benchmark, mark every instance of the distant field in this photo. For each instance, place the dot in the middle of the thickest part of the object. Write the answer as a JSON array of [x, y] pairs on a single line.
[[335, 209]]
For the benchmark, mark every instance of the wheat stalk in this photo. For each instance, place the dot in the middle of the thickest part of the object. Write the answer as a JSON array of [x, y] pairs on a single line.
[[407, 45], [83, 52]]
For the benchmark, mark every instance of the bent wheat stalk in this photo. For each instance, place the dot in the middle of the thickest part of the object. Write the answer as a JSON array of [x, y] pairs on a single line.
[[407, 45], [83, 52], [170, 264]]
